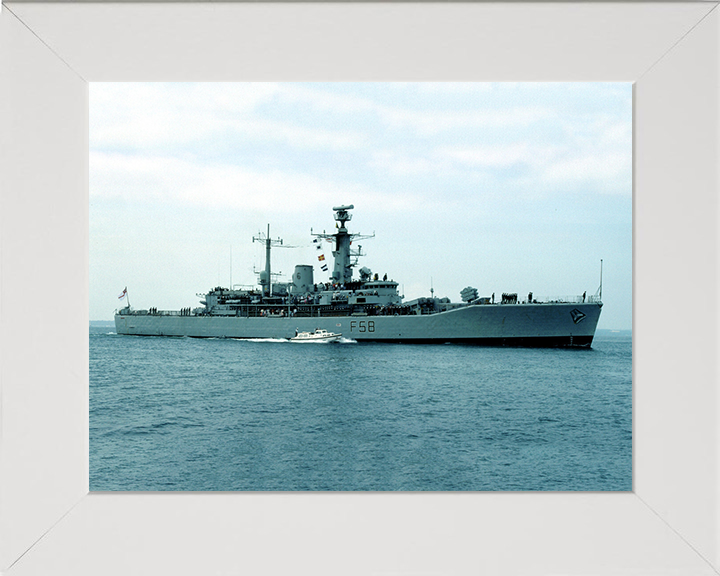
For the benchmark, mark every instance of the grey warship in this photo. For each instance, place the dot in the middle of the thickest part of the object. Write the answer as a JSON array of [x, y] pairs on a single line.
[[368, 308]]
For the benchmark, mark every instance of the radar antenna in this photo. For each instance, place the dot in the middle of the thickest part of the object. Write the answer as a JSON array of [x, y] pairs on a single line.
[[342, 215]]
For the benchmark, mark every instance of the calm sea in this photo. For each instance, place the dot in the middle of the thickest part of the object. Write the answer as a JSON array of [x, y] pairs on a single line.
[[223, 414]]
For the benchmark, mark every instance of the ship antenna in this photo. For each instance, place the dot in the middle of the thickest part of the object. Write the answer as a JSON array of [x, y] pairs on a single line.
[[432, 290]]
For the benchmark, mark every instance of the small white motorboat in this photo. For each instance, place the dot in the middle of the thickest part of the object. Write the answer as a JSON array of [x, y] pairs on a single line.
[[318, 336]]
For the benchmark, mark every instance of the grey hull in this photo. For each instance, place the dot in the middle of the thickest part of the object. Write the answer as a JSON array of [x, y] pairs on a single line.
[[549, 324]]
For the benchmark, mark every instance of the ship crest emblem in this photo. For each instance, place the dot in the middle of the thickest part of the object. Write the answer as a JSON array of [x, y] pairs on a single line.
[[577, 316]]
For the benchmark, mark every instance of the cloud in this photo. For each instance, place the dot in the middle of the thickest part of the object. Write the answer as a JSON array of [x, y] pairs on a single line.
[[319, 98], [168, 116], [402, 163], [232, 141], [433, 122], [593, 153], [603, 168], [502, 156], [155, 179], [429, 121], [149, 114], [299, 136]]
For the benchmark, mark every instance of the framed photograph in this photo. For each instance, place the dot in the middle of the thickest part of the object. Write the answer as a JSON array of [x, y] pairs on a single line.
[[666, 525], [465, 221]]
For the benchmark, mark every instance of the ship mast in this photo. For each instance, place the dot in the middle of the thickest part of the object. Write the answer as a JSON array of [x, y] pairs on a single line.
[[266, 278], [342, 270], [598, 293]]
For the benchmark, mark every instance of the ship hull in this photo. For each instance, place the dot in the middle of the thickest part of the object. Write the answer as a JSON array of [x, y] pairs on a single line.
[[547, 325]]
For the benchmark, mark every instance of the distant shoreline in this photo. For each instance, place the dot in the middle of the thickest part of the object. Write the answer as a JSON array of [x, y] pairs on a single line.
[[609, 333]]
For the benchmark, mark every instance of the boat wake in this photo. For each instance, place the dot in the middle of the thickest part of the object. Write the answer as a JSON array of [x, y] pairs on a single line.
[[261, 339]]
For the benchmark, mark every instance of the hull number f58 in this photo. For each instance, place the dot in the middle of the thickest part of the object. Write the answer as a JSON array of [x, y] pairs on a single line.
[[362, 326]]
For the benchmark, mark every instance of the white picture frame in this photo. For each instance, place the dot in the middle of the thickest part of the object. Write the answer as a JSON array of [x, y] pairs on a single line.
[[49, 523]]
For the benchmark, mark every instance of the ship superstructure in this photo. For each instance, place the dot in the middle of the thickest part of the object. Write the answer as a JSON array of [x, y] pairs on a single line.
[[367, 308]]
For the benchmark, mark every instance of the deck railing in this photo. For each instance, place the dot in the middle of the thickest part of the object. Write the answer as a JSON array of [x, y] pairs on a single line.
[[568, 299], [547, 300]]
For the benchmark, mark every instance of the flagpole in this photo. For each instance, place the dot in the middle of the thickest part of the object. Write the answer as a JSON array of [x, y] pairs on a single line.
[[128, 297]]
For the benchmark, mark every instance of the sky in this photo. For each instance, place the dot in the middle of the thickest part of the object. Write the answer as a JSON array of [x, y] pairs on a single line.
[[505, 187]]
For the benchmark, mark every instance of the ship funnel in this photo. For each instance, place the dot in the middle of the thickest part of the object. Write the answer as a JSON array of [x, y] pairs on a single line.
[[302, 279]]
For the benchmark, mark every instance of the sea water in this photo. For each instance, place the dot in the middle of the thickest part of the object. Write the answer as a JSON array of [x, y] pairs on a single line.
[[265, 415]]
